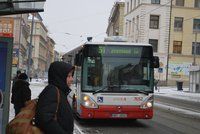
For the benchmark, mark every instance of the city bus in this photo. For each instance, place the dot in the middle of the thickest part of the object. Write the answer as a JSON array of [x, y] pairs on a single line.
[[112, 80]]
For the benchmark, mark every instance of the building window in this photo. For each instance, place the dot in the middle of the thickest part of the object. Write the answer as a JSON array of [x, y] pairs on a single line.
[[154, 43], [129, 28], [134, 3], [131, 4], [197, 3], [155, 1], [178, 24], [138, 2], [133, 25], [197, 48], [196, 25], [127, 7], [180, 2], [177, 47], [126, 32], [154, 21]]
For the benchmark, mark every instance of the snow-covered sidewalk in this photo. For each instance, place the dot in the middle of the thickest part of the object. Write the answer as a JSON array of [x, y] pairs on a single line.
[[38, 86], [185, 95], [174, 93]]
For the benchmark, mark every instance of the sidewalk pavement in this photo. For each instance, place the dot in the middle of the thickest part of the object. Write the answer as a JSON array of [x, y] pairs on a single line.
[[172, 92], [178, 94]]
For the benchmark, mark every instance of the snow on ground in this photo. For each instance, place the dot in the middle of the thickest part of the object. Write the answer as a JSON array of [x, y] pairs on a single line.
[[174, 93], [36, 88], [38, 85]]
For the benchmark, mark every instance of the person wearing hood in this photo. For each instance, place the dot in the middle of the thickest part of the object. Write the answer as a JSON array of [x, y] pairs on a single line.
[[53, 117], [16, 77], [20, 92]]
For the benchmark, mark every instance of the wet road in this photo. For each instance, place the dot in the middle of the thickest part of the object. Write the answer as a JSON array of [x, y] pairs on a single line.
[[162, 123]]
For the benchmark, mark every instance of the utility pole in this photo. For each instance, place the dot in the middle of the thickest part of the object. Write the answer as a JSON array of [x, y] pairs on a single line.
[[19, 47], [170, 19], [30, 46], [195, 46]]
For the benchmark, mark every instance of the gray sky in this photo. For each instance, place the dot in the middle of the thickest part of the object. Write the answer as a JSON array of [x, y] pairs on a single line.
[[78, 18]]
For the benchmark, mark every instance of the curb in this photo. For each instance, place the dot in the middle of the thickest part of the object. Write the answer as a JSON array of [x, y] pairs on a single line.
[[179, 111]]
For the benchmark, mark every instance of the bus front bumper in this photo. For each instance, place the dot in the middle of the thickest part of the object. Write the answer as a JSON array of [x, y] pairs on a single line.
[[116, 112]]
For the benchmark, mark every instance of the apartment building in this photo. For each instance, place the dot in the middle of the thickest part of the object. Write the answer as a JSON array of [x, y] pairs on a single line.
[[20, 39], [147, 21], [39, 49], [184, 39], [172, 27], [57, 56], [50, 51], [116, 20]]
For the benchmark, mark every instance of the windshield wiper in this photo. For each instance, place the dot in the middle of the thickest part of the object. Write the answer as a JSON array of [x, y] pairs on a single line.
[[101, 89], [142, 91]]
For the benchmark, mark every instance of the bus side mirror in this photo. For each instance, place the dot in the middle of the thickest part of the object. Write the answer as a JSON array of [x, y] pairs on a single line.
[[156, 62]]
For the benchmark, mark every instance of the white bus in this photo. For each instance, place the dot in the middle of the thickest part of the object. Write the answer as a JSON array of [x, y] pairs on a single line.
[[112, 80]]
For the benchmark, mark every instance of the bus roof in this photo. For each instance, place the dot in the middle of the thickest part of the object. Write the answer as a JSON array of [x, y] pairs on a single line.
[[117, 43], [108, 43]]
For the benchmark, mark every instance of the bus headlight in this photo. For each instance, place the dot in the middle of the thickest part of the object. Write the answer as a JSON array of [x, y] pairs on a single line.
[[88, 102], [147, 103]]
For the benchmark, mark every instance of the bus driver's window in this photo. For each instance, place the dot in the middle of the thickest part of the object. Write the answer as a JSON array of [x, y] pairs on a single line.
[[93, 71], [91, 64]]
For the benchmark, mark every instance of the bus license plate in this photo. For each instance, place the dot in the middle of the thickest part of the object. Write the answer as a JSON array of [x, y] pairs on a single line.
[[119, 115]]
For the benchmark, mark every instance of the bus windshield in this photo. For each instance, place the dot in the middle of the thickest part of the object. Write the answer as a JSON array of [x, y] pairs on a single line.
[[117, 73]]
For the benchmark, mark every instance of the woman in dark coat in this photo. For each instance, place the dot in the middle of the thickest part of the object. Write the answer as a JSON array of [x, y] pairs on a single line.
[[59, 76], [20, 92]]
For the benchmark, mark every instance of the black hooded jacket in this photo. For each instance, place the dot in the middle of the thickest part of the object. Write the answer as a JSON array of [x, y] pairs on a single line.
[[48, 101], [20, 92]]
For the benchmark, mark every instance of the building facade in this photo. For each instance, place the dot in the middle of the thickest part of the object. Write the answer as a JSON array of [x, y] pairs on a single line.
[[20, 41], [39, 50], [50, 52], [184, 47], [172, 28], [116, 20], [57, 56], [147, 21]]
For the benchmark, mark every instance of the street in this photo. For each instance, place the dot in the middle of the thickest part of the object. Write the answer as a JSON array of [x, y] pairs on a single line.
[[178, 103], [132, 59], [163, 122]]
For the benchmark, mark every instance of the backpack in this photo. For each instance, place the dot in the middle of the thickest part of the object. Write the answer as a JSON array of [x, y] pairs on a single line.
[[23, 123]]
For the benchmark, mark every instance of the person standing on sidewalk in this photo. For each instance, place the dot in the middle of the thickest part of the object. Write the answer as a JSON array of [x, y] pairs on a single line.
[[16, 77], [156, 84], [60, 76], [20, 92]]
